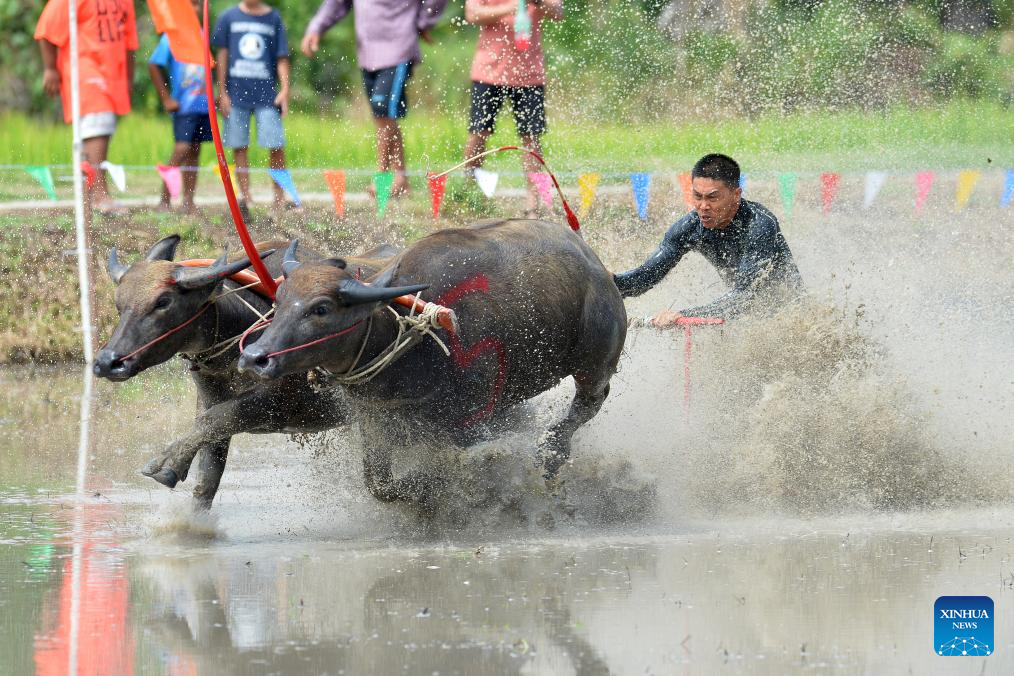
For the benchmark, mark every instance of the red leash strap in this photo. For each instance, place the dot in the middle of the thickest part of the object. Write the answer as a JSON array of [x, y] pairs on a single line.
[[244, 236], [572, 221], [167, 333]]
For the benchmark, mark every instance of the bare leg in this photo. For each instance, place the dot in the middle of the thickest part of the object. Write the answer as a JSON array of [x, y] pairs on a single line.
[[277, 161], [476, 145], [530, 166], [391, 153], [96, 151], [241, 157], [190, 159]]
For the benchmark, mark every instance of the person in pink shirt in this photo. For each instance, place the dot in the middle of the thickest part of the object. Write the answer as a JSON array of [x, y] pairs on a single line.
[[501, 71]]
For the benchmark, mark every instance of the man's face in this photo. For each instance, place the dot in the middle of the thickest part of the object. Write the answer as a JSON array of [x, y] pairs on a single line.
[[716, 203]]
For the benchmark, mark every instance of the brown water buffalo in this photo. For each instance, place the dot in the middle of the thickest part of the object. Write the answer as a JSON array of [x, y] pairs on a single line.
[[191, 312], [534, 303]]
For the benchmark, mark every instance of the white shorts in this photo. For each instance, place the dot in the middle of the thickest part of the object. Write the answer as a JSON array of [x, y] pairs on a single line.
[[97, 124]]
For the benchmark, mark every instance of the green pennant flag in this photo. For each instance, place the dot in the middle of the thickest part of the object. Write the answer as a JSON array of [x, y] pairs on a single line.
[[787, 186], [382, 182], [44, 177]]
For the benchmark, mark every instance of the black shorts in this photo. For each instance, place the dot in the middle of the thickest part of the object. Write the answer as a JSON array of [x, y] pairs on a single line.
[[192, 128], [385, 89], [527, 103]]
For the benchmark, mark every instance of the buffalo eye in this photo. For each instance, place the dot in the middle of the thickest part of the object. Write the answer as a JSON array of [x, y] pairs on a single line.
[[163, 302], [320, 310]]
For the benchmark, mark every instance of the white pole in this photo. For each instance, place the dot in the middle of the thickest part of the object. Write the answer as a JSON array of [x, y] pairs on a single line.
[[86, 338]]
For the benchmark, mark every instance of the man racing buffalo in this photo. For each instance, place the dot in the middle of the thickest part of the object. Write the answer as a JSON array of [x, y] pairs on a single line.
[[739, 237]]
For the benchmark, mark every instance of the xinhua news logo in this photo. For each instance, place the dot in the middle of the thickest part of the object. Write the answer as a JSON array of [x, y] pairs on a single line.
[[963, 626]]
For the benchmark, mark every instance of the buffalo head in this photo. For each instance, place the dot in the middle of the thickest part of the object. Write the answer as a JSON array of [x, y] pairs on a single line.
[[155, 296], [320, 317]]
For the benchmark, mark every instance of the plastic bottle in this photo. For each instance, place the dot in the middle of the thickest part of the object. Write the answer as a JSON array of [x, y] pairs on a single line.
[[522, 27]]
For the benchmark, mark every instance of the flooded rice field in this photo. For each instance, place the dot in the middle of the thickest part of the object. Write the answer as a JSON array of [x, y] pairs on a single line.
[[798, 506]]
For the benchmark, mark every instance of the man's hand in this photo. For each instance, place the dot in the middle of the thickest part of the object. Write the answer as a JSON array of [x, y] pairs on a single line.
[[51, 82], [664, 319], [225, 104], [282, 102], [170, 104], [426, 36], [310, 44]]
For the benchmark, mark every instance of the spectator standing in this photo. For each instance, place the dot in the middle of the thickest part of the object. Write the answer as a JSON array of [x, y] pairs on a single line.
[[387, 48], [504, 71], [107, 40]]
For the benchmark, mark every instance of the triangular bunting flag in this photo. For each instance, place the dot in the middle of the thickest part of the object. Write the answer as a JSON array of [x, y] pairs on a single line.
[[116, 173], [923, 183], [641, 183], [438, 184], [89, 173], [335, 180], [45, 179], [487, 181], [284, 180], [173, 179], [828, 189], [382, 182], [966, 183], [586, 185], [232, 175], [874, 182], [544, 185], [1008, 189], [686, 185], [787, 187], [742, 182]]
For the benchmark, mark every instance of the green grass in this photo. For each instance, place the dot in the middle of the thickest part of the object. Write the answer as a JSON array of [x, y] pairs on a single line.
[[954, 135]]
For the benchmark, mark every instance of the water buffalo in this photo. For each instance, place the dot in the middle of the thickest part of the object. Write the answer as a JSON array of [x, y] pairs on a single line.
[[534, 304], [168, 309]]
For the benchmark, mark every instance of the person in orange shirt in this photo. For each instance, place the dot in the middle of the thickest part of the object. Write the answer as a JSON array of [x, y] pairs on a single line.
[[504, 70], [107, 40]]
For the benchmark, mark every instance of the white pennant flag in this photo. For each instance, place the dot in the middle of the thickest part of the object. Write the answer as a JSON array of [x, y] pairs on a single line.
[[874, 182], [116, 173], [487, 181]]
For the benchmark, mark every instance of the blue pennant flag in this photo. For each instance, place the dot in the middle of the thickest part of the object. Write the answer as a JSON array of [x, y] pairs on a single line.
[[284, 180], [640, 183], [1008, 189], [742, 182]]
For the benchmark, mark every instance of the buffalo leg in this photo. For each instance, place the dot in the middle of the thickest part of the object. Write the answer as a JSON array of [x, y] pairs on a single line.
[[212, 465], [418, 487], [591, 392]]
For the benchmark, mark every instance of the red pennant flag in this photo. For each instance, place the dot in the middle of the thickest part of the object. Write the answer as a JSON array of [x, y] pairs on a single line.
[[336, 184], [686, 185], [438, 184], [828, 189], [923, 183], [178, 20], [89, 171]]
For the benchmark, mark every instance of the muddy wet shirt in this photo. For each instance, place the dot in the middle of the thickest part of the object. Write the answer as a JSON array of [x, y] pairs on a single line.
[[751, 255]]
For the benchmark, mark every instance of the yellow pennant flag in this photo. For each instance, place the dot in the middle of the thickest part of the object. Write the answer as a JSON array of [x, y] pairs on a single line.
[[232, 175], [586, 184], [966, 183]]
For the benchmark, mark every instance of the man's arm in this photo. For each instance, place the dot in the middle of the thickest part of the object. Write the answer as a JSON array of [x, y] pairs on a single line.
[[282, 99], [673, 247], [429, 14], [221, 69], [161, 87], [130, 70], [483, 15], [551, 9], [329, 13], [50, 74]]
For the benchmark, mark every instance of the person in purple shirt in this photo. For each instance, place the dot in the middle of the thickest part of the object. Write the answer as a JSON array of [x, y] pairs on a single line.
[[387, 46]]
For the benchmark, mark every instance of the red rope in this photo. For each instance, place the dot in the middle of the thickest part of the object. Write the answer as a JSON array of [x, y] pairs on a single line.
[[572, 221], [168, 333], [230, 195]]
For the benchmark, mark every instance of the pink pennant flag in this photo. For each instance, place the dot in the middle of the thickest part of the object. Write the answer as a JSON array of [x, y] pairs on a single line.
[[544, 184], [923, 183], [173, 179], [828, 189]]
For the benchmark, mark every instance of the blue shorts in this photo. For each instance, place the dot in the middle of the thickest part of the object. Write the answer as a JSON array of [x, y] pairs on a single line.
[[385, 89], [191, 128], [269, 127]]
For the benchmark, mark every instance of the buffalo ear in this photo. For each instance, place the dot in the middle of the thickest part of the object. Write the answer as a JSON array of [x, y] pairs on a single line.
[[384, 277], [164, 249], [335, 263]]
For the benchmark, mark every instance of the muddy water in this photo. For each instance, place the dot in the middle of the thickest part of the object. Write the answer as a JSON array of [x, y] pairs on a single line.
[[830, 471]]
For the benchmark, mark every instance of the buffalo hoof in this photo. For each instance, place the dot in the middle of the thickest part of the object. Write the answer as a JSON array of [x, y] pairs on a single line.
[[165, 476]]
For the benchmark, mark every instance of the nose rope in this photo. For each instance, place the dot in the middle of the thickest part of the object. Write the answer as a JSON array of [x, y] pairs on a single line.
[[204, 308], [312, 342]]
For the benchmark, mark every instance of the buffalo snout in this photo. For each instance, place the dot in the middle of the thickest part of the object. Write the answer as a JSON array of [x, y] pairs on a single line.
[[112, 366], [257, 360]]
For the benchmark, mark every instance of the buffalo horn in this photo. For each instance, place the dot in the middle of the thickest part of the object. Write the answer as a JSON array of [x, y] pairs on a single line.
[[289, 262], [164, 249], [195, 278], [115, 267], [354, 292]]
